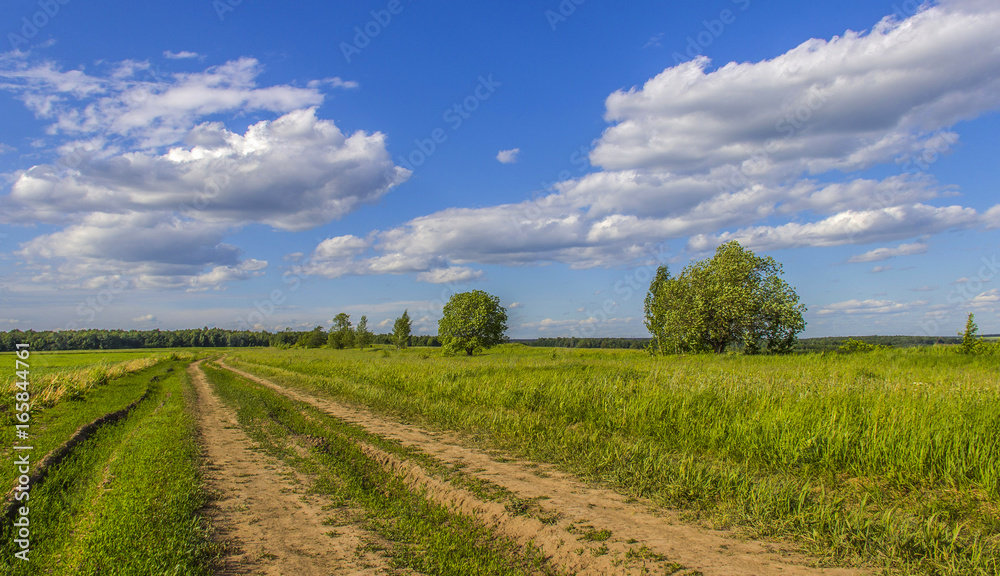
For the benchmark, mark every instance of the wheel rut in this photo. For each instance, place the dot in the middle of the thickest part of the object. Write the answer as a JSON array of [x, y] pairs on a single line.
[[634, 537], [261, 506]]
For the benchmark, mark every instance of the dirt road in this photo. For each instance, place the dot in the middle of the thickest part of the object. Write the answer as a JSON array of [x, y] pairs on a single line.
[[632, 535], [262, 507]]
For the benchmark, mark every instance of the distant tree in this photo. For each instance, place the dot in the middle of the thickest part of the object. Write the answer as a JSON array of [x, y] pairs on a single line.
[[854, 345], [472, 321], [341, 335], [735, 298], [971, 342], [362, 335], [401, 330], [314, 338]]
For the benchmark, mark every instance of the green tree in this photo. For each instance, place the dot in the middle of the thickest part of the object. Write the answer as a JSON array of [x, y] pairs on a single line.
[[401, 330], [472, 321], [971, 342], [734, 299], [314, 338], [656, 311], [341, 335], [362, 336]]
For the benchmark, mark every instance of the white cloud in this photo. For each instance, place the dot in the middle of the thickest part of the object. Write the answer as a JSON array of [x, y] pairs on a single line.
[[870, 307], [989, 300], [737, 153], [515, 305], [148, 318], [452, 275], [155, 111], [182, 55], [508, 156], [880, 254], [293, 173], [842, 104], [158, 251], [849, 227], [334, 82], [880, 269]]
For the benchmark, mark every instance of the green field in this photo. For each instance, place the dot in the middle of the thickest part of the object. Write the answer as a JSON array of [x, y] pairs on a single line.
[[887, 459]]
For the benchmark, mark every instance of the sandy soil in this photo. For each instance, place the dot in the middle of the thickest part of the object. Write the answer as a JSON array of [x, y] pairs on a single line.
[[262, 508], [577, 505]]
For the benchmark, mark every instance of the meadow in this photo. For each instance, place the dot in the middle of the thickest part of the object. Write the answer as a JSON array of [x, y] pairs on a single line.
[[887, 459]]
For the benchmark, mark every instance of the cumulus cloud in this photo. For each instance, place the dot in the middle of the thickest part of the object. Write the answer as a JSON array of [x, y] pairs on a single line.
[[145, 181], [182, 55], [293, 173], [870, 307], [156, 250], [451, 275], [756, 152], [508, 156], [880, 254], [840, 104]]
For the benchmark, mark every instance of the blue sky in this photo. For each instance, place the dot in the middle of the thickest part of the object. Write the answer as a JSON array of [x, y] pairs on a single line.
[[265, 165]]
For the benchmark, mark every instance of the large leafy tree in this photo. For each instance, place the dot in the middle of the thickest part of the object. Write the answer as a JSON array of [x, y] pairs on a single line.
[[734, 299], [401, 330], [472, 321], [341, 335]]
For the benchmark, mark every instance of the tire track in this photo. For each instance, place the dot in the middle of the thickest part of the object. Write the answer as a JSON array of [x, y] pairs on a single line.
[[577, 505], [276, 527]]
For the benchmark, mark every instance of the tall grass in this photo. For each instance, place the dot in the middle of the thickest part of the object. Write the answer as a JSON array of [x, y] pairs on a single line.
[[48, 389], [889, 457]]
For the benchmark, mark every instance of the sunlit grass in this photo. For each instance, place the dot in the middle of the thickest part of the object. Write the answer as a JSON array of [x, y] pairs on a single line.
[[888, 457]]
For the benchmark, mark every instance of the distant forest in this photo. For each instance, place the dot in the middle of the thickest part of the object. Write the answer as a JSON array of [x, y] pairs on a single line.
[[219, 338]]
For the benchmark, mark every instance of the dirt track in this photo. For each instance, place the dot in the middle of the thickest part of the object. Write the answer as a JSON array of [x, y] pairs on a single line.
[[262, 509], [577, 506]]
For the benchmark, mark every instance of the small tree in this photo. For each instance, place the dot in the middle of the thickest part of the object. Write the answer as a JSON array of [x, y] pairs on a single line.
[[472, 321], [362, 336], [401, 330], [971, 342], [341, 335]]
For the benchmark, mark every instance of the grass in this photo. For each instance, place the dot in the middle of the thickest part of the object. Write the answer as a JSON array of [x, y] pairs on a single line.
[[103, 389], [126, 501], [421, 534], [887, 458]]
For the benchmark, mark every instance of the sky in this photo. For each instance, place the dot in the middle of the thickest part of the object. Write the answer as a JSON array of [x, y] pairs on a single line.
[[260, 165]]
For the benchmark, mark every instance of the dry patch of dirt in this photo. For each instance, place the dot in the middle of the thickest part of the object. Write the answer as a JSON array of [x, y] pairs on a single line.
[[579, 508], [262, 508]]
